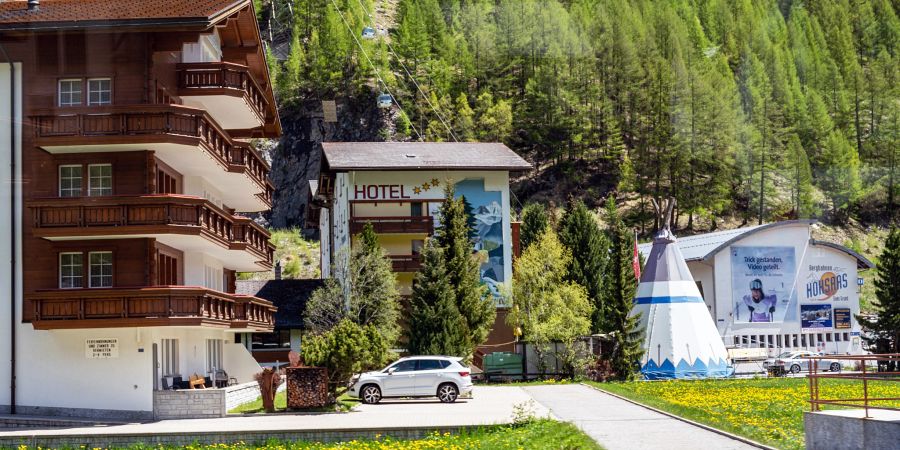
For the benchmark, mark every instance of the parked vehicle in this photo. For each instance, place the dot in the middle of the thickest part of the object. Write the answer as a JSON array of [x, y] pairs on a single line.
[[796, 361], [443, 377]]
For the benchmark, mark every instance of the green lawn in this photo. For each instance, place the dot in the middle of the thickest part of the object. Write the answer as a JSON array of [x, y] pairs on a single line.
[[344, 403], [542, 434], [766, 410]]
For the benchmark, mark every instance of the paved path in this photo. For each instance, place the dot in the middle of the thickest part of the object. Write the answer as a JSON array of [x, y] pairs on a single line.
[[618, 424], [491, 405]]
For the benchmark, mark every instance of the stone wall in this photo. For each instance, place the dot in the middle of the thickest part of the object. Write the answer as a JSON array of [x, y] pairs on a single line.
[[189, 404]]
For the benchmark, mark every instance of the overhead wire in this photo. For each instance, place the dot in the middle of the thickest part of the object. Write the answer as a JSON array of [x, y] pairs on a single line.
[[411, 77], [375, 68]]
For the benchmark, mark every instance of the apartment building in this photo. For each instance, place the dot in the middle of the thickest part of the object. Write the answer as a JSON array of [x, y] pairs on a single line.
[[129, 125]]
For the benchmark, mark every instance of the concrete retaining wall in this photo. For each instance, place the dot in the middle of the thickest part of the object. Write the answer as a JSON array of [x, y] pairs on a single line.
[[849, 430], [239, 394], [189, 404]]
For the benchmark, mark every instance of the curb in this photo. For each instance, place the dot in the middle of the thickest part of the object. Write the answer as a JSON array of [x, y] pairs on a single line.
[[696, 424]]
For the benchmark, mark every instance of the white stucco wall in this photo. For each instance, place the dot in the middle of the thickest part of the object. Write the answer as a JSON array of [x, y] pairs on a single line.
[[200, 187], [6, 218]]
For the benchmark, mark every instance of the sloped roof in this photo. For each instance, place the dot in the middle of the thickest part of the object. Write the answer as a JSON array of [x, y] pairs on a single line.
[[700, 247], [421, 156], [290, 296], [14, 15]]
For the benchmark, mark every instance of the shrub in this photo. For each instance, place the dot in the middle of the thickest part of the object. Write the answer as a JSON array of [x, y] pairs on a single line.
[[345, 350]]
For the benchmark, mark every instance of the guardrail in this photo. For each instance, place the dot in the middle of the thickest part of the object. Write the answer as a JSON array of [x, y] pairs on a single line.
[[865, 376]]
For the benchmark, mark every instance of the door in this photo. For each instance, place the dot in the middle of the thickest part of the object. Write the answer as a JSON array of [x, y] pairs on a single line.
[[401, 382], [429, 376]]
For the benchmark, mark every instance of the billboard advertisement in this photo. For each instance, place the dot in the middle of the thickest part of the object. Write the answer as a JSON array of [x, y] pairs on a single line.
[[842, 318], [762, 284], [816, 317], [826, 281]]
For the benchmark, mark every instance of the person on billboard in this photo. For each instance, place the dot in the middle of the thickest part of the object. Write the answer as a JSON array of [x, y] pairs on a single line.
[[761, 306]]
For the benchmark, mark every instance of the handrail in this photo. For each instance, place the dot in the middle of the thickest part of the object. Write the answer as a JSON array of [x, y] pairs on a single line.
[[865, 376], [394, 224], [222, 75], [150, 210], [153, 119]]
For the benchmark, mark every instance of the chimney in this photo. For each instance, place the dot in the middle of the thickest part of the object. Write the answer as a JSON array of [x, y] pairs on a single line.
[[34, 5], [277, 270]]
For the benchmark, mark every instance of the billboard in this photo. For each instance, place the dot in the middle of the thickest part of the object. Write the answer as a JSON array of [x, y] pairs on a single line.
[[762, 283], [827, 281], [842, 318], [816, 317]]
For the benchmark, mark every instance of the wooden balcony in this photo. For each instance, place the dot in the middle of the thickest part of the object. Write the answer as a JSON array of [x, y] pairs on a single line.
[[148, 307], [226, 90], [394, 224], [186, 138], [169, 218], [406, 263]]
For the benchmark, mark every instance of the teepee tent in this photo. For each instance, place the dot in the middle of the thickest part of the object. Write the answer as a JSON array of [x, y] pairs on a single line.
[[680, 337]]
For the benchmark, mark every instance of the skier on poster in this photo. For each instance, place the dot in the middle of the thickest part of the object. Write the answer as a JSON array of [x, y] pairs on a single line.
[[761, 306]]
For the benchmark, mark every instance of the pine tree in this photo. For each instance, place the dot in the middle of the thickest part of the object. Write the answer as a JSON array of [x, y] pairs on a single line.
[[619, 288], [840, 177], [435, 325], [800, 176], [368, 238], [472, 298], [581, 235], [535, 222], [886, 328]]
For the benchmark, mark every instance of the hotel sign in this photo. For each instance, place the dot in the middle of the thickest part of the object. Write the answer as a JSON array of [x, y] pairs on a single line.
[[102, 348], [429, 190]]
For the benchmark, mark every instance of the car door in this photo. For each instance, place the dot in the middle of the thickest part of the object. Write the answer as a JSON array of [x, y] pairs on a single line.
[[401, 381], [429, 375]]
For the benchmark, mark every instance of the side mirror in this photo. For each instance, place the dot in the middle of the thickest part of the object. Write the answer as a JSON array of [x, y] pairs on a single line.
[[392, 370]]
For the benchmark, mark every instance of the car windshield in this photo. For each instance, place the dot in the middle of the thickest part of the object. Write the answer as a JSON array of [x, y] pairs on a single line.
[[785, 355]]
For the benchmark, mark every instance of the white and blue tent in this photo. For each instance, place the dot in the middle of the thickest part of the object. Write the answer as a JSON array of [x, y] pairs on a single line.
[[680, 337]]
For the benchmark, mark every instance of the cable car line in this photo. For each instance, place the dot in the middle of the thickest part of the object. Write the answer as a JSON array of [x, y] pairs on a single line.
[[374, 67], [405, 69]]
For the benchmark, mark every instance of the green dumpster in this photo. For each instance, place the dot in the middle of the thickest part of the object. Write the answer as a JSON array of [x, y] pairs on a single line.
[[503, 366]]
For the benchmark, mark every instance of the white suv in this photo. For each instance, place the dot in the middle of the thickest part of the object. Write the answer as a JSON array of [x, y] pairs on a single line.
[[443, 377]]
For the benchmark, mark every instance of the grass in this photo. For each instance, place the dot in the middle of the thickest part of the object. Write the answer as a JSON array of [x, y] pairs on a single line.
[[766, 410], [538, 434], [344, 403]]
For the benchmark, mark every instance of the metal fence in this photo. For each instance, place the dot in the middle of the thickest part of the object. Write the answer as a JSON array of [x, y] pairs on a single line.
[[884, 370]]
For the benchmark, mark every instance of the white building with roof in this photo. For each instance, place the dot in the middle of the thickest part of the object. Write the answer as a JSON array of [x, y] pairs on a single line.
[[773, 286]]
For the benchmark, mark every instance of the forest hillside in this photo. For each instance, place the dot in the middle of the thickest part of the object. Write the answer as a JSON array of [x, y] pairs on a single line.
[[743, 110]]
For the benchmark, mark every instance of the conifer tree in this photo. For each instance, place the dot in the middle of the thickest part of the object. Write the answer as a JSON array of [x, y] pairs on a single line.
[[581, 235], [619, 288], [885, 329], [435, 325], [472, 298], [800, 177], [535, 222]]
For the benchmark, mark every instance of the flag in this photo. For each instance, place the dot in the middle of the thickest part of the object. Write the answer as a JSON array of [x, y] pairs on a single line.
[[636, 259]]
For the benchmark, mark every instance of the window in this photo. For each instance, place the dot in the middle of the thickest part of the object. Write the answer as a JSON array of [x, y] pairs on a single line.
[[213, 354], [99, 180], [405, 366], [430, 364], [169, 357], [417, 245], [101, 269], [212, 278], [70, 181], [415, 209], [70, 270], [70, 92], [279, 340], [99, 91]]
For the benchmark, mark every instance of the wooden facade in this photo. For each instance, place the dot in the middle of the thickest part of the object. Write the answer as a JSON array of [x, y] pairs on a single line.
[[135, 131]]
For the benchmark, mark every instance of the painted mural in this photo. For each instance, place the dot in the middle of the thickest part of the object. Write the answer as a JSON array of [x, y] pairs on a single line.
[[487, 216]]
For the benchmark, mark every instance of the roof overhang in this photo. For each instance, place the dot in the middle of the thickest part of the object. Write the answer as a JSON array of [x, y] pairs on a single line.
[[862, 263]]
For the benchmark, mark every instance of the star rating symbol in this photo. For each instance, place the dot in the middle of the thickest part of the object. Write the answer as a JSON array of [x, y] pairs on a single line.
[[434, 182], [417, 190], [426, 186]]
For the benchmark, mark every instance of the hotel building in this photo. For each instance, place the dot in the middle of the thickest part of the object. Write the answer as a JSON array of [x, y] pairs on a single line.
[[399, 188], [128, 125]]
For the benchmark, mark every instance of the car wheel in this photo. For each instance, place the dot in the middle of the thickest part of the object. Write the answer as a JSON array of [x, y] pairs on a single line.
[[835, 367], [371, 394], [447, 393], [795, 369]]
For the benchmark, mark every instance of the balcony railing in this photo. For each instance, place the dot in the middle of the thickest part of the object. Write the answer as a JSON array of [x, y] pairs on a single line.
[[99, 125], [394, 224], [148, 306], [147, 214], [406, 263], [216, 77]]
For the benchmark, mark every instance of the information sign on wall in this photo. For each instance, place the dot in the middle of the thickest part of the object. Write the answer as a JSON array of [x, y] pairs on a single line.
[[817, 317], [842, 318], [101, 348]]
